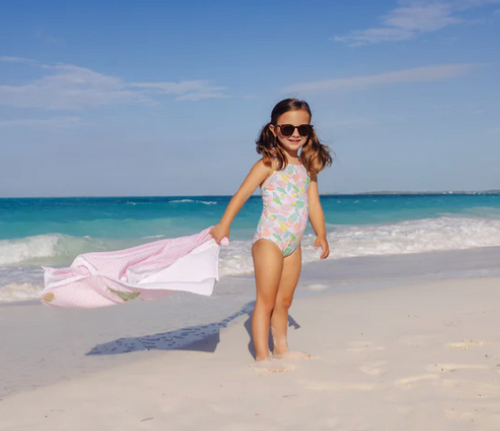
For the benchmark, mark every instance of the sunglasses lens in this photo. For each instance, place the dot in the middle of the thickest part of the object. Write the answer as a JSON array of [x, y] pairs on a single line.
[[304, 130], [287, 129]]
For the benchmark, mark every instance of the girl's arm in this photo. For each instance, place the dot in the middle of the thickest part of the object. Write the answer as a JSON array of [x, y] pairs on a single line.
[[317, 217], [256, 176]]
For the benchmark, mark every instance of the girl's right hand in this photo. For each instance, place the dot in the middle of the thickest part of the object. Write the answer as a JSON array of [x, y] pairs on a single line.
[[219, 231]]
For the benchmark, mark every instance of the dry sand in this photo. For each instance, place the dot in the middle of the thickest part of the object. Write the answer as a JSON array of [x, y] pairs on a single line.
[[421, 357]]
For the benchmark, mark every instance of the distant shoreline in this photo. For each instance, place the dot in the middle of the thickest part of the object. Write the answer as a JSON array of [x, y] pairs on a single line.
[[377, 193], [462, 192]]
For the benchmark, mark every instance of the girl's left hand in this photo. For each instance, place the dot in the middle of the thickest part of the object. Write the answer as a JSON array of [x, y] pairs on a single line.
[[323, 243]]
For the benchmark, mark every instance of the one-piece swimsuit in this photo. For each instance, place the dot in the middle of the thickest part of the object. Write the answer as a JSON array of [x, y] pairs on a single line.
[[285, 208]]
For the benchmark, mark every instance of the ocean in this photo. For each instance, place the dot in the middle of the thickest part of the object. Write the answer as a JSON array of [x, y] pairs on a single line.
[[53, 231]]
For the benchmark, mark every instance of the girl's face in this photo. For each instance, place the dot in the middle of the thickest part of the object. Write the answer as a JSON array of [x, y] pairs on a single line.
[[296, 118]]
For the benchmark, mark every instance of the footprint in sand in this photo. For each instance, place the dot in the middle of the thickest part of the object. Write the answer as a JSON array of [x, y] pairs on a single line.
[[412, 382], [363, 346], [467, 344], [373, 368]]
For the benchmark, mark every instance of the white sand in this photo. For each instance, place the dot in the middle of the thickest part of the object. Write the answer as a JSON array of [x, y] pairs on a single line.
[[421, 357]]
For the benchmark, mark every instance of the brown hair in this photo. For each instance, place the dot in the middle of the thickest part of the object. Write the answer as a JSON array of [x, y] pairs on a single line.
[[314, 155]]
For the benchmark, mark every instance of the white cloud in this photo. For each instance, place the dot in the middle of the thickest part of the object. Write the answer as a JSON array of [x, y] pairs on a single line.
[[16, 60], [419, 74], [69, 87], [48, 38], [187, 90], [465, 4], [206, 93], [173, 87], [412, 19], [50, 122]]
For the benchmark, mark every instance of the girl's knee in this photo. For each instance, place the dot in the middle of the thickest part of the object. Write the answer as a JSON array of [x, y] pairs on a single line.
[[265, 305], [284, 302]]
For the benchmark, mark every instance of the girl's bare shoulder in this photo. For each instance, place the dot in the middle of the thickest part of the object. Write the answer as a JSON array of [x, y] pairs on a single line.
[[261, 166]]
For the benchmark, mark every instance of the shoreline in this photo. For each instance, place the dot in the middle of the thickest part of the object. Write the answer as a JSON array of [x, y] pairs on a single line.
[[413, 357], [378, 269]]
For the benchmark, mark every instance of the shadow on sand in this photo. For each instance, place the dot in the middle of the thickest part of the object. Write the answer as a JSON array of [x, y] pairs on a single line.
[[201, 338]]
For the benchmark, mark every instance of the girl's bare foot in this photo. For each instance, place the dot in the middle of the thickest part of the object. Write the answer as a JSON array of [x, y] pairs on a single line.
[[270, 366], [291, 355]]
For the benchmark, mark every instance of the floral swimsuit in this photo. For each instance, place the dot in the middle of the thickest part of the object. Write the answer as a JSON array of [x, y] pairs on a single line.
[[286, 207]]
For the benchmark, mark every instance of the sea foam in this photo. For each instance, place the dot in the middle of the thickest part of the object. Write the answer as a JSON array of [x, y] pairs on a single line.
[[20, 259], [195, 201], [413, 236]]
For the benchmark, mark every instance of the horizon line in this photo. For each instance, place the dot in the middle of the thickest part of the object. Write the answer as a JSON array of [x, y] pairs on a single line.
[[388, 192]]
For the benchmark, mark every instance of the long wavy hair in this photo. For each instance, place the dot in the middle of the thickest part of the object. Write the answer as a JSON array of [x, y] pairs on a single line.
[[314, 155]]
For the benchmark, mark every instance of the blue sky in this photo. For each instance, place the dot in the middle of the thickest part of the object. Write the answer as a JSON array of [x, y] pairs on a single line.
[[167, 98]]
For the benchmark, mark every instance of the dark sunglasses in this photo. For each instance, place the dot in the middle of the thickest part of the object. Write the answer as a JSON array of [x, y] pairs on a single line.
[[288, 129]]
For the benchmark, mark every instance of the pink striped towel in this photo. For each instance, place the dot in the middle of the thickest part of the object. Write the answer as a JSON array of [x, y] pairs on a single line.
[[146, 272]]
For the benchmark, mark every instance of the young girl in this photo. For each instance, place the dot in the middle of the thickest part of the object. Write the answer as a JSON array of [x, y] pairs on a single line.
[[289, 185]]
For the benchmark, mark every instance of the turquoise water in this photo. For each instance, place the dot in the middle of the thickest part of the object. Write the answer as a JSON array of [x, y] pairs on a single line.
[[53, 231], [139, 217]]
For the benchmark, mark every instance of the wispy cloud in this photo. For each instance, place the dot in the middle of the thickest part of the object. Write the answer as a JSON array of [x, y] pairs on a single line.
[[419, 74], [207, 93], [50, 122], [44, 37], [70, 87], [16, 60], [186, 90], [465, 4], [412, 19]]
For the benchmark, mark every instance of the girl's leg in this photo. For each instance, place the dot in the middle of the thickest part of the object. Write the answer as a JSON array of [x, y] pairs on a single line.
[[268, 264], [292, 266]]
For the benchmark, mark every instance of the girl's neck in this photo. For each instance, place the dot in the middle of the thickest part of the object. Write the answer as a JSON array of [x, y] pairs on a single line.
[[293, 159]]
